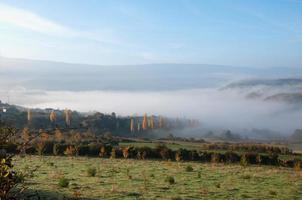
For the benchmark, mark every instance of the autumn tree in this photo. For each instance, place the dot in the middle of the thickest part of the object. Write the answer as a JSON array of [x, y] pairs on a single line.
[[58, 135], [70, 151], [26, 137], [113, 153], [145, 122], [52, 116], [152, 122], [67, 114], [29, 116], [40, 143], [89, 135], [76, 139], [44, 136], [131, 125], [126, 152], [178, 156], [40, 146], [102, 152]]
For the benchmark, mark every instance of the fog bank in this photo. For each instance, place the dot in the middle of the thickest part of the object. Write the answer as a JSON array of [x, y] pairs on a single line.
[[225, 109]]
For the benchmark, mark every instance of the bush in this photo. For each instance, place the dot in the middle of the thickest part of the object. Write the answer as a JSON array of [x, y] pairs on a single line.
[[231, 157], [182, 154], [215, 157], [274, 159], [249, 158], [193, 155], [10, 147], [243, 161], [8, 177], [113, 153], [170, 180], [91, 171], [297, 165], [189, 168], [83, 150], [63, 182], [164, 152], [205, 156]]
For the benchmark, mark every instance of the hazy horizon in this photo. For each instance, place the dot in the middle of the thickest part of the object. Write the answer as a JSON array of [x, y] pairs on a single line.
[[231, 65], [203, 92]]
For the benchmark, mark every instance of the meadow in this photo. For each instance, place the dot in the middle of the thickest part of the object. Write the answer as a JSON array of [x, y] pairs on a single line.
[[59, 177]]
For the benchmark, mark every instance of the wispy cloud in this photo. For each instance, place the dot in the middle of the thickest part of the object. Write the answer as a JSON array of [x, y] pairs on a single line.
[[31, 21], [28, 20]]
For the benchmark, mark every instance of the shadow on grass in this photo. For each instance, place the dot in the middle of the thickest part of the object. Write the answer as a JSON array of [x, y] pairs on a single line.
[[29, 194], [53, 195]]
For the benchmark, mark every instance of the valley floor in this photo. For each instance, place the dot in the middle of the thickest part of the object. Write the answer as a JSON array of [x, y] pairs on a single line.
[[147, 179]]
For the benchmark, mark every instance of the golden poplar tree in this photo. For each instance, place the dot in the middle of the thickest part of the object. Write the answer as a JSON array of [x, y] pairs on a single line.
[[145, 122], [29, 116], [52, 116], [67, 113], [131, 125], [152, 122]]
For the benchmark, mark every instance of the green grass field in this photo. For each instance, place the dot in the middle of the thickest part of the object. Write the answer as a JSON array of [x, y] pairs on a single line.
[[146, 179]]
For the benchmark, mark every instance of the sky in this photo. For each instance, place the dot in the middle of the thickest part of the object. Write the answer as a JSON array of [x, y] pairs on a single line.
[[105, 32]]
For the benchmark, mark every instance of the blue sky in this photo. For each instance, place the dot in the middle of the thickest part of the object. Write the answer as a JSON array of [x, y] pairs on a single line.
[[262, 33]]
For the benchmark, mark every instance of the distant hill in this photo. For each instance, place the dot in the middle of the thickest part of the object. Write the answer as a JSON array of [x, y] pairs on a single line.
[[288, 90], [265, 82], [294, 98], [47, 75]]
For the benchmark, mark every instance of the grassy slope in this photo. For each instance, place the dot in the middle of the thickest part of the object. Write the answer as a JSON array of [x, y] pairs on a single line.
[[147, 179]]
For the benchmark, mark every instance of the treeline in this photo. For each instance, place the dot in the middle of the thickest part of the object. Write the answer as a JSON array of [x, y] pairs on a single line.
[[258, 148], [98, 123], [161, 152]]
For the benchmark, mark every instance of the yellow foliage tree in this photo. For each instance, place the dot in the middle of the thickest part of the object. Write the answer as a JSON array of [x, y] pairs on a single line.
[[67, 114], [29, 116], [25, 135], [102, 152], [131, 125], [76, 138], [70, 151], [52, 116], [145, 122], [152, 122], [126, 152]]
